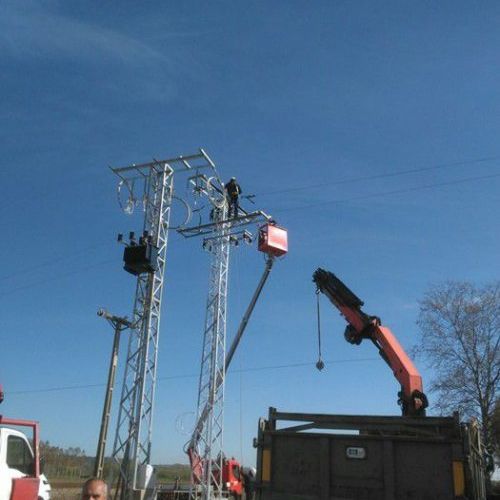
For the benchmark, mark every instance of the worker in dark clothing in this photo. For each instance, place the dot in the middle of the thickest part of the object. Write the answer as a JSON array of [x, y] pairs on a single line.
[[233, 190], [249, 474]]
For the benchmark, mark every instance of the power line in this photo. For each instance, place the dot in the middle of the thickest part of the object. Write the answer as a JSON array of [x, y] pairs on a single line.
[[301, 188], [378, 194], [55, 389], [51, 262], [56, 278], [290, 209], [186, 376], [299, 365], [380, 176]]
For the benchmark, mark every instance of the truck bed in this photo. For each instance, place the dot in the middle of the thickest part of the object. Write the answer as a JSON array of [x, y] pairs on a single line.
[[339, 457]]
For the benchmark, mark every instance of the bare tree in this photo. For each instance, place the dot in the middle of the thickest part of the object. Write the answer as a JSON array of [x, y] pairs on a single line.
[[460, 340], [496, 429]]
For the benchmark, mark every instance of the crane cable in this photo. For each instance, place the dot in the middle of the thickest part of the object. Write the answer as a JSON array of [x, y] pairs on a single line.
[[320, 364]]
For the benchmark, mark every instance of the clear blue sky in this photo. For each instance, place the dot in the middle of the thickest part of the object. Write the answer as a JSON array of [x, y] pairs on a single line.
[[326, 96]]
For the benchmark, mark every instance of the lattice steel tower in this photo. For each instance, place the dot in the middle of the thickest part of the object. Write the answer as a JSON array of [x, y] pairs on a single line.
[[212, 372], [155, 181], [205, 449]]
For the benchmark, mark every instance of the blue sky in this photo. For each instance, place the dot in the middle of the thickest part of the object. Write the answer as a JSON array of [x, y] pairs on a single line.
[[369, 129]]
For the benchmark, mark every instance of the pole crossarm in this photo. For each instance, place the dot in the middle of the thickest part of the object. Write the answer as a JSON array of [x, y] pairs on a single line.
[[235, 223], [180, 163]]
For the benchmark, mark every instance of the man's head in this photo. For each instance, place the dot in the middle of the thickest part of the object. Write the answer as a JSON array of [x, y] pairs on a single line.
[[233, 179], [94, 489]]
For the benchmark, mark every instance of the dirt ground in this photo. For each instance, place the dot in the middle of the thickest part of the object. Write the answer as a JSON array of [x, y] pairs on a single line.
[[65, 493], [68, 491]]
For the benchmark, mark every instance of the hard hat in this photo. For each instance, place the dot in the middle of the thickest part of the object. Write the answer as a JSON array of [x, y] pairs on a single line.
[[233, 178]]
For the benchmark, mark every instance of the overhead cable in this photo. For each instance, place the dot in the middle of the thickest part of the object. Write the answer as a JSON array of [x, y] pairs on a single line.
[[378, 194], [185, 376], [379, 176]]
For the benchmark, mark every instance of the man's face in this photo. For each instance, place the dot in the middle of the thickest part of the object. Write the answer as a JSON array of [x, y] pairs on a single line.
[[95, 490]]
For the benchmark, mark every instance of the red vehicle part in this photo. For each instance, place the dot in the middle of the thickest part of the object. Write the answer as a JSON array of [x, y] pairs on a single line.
[[232, 477], [361, 326], [196, 465], [26, 488], [273, 240], [36, 439], [231, 473]]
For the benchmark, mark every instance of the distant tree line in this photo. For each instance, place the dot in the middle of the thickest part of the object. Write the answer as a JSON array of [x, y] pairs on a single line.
[[73, 464], [67, 463]]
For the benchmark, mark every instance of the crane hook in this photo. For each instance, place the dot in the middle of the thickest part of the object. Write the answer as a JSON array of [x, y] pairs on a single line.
[[319, 364]]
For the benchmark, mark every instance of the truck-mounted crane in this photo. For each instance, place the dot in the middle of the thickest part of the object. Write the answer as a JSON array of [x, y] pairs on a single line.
[[362, 326]]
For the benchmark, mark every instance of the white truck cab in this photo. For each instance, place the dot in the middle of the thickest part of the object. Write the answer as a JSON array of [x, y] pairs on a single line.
[[17, 460]]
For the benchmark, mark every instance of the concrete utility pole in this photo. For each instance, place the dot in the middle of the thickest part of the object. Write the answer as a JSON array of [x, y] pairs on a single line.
[[119, 325]]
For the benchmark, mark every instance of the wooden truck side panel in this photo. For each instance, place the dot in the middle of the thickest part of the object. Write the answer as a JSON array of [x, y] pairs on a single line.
[[429, 465], [315, 466]]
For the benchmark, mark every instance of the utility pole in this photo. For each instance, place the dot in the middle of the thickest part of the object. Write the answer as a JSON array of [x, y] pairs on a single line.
[[119, 325]]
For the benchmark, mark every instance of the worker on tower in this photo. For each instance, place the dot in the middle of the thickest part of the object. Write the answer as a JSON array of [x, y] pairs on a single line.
[[233, 190]]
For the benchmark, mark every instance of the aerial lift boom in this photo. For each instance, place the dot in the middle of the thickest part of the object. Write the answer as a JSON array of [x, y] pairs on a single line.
[[361, 326], [234, 345], [272, 242]]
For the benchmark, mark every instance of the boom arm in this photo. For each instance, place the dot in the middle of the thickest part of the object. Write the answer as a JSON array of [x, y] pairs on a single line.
[[192, 445], [362, 326]]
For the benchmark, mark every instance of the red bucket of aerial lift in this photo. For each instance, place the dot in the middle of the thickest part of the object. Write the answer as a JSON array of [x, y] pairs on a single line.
[[273, 240]]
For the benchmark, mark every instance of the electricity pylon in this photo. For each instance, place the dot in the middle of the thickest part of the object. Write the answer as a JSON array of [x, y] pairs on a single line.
[[210, 392], [205, 449], [133, 436]]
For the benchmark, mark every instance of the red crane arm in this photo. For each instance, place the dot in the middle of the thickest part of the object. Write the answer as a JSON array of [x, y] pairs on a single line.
[[362, 326], [402, 366]]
